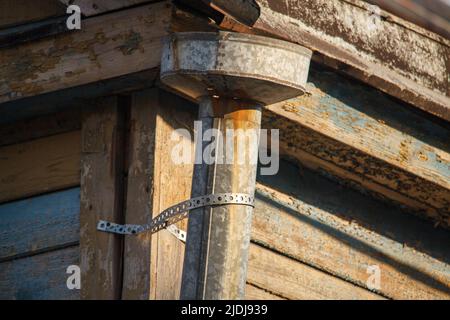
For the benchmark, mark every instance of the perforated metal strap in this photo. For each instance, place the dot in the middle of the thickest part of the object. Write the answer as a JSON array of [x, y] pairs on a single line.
[[176, 213]]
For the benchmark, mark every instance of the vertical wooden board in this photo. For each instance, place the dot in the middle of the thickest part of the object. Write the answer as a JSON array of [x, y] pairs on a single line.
[[101, 198], [39, 166], [294, 280], [136, 260], [172, 185], [41, 276], [39, 223]]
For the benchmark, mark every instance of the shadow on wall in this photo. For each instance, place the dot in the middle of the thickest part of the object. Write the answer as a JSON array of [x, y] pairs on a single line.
[[329, 199]]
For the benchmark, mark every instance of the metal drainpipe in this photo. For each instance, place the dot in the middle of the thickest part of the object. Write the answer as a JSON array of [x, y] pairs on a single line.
[[232, 76], [216, 252]]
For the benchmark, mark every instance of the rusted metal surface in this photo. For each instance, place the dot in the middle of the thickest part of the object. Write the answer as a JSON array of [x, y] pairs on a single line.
[[231, 75], [234, 66], [382, 50], [218, 239]]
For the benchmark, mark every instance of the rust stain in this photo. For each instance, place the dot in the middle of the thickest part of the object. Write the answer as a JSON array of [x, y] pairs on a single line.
[[422, 156], [132, 41], [404, 151]]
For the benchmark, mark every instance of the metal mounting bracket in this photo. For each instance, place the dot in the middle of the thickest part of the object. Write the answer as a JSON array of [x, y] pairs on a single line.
[[176, 213], [177, 232]]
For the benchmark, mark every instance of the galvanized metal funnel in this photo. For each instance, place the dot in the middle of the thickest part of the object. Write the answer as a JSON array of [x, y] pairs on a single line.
[[234, 65]]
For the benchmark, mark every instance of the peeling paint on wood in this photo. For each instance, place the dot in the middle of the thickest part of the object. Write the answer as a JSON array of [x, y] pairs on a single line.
[[108, 46], [35, 224], [392, 55], [39, 277], [362, 136]]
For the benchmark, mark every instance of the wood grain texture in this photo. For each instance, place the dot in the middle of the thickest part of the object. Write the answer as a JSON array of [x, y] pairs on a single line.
[[108, 46], [255, 293], [93, 7], [325, 225], [39, 277], [139, 205], [172, 184], [40, 126], [379, 49], [101, 198], [40, 223], [13, 12], [361, 136], [293, 280], [40, 166]]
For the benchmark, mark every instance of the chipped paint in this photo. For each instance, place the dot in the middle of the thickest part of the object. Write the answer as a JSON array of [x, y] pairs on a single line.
[[131, 42], [396, 57], [356, 141]]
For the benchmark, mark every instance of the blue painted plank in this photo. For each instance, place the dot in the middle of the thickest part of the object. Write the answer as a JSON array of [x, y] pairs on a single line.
[[34, 224], [42, 276]]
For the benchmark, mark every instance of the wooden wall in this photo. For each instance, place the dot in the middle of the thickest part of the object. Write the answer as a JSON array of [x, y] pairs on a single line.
[[39, 206], [312, 237]]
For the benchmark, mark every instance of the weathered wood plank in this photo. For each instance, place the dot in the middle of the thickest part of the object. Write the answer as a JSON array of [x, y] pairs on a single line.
[[107, 46], [41, 126], [432, 15], [255, 293], [74, 97], [16, 35], [342, 232], [39, 223], [93, 7], [172, 184], [141, 148], [294, 280], [39, 166], [342, 128], [69, 96], [101, 198], [381, 50], [13, 12], [39, 277]]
